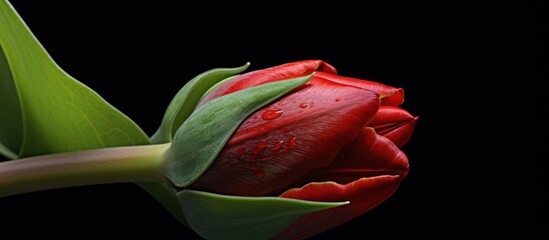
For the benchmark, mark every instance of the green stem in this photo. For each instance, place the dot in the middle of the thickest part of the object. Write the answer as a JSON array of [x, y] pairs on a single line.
[[98, 166]]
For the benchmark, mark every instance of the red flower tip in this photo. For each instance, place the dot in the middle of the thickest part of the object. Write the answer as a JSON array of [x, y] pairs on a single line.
[[327, 68], [394, 123], [368, 155]]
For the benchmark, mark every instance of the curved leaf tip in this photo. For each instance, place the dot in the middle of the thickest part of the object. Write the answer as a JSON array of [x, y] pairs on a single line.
[[186, 99]]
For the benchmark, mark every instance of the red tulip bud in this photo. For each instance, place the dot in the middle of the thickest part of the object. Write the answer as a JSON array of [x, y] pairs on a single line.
[[334, 139]]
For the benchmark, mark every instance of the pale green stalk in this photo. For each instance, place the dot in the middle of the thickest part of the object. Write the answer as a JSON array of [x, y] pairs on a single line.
[[99, 166]]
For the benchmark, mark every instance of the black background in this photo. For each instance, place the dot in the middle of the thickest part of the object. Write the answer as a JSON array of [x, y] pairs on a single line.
[[475, 74]]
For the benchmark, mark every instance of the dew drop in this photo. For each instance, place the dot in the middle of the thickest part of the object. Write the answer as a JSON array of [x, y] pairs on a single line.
[[303, 105], [261, 145], [338, 99], [259, 148], [271, 114], [278, 145], [292, 142]]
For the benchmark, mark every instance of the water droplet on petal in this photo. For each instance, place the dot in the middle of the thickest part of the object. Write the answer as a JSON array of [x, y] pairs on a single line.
[[259, 148], [278, 145], [271, 114], [338, 99], [292, 142], [261, 145], [303, 105]]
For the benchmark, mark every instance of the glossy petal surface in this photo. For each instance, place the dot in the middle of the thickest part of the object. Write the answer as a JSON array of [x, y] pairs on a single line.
[[279, 144], [390, 96]]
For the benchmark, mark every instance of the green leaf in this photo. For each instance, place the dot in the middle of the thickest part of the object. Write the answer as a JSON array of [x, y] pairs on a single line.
[[202, 136], [216, 216], [216, 86], [44, 109], [185, 101], [10, 113]]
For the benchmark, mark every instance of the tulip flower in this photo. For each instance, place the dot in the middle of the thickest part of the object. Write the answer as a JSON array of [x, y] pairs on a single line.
[[285, 152], [334, 139]]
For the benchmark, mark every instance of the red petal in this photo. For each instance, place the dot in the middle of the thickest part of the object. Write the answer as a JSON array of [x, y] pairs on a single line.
[[272, 74], [363, 194], [368, 155], [278, 144], [394, 123], [390, 96]]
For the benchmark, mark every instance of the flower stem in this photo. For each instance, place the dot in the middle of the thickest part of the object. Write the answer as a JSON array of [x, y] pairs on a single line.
[[99, 166]]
